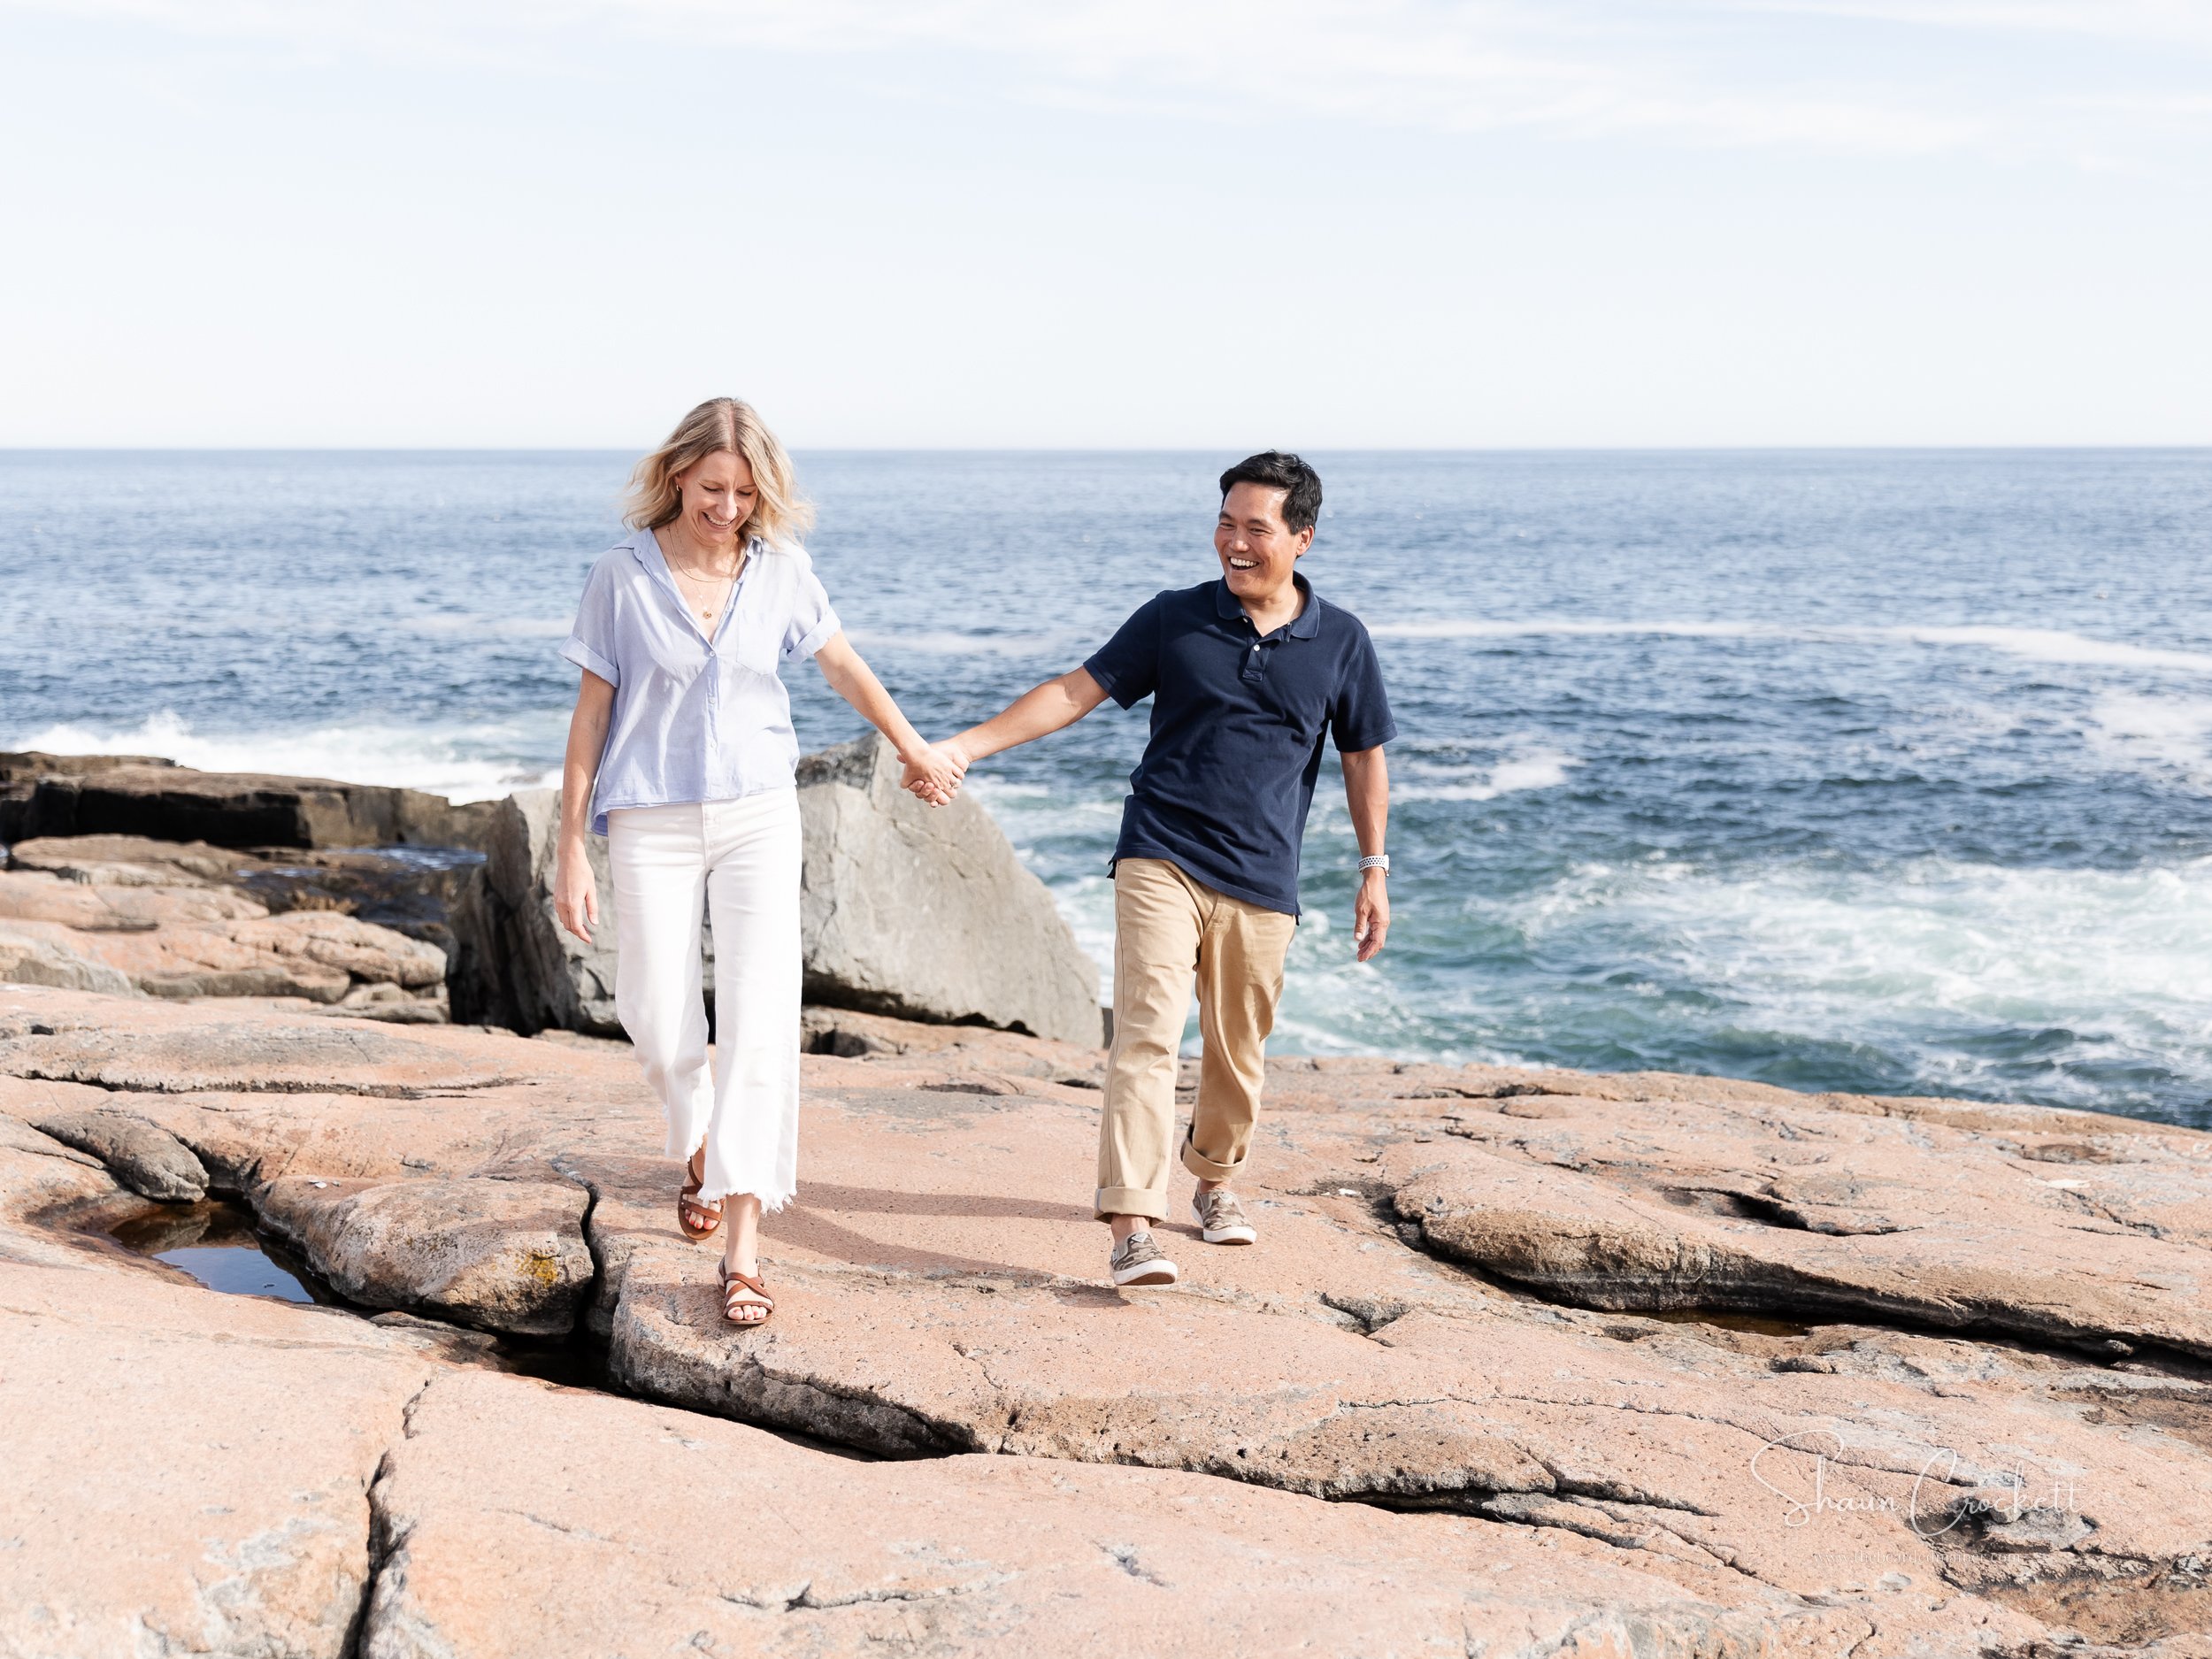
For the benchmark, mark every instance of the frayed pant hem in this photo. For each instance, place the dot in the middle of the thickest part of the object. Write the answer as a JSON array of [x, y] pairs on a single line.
[[770, 1202]]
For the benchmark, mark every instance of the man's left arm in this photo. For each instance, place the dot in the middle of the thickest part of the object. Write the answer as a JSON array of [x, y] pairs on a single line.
[[1367, 792]]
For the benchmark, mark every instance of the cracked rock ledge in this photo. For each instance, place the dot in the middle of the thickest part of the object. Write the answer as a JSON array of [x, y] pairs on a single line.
[[1526, 1363]]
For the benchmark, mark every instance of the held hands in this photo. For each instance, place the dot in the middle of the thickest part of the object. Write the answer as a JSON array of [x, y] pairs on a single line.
[[1370, 913], [933, 773]]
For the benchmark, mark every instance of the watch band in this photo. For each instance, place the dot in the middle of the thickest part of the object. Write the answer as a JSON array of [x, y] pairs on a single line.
[[1376, 861]]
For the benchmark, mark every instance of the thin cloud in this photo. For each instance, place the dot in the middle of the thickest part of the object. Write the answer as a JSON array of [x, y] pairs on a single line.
[[1685, 74], [2166, 21]]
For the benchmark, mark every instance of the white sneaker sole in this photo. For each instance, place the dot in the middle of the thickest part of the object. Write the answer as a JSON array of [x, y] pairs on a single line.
[[1227, 1235], [1148, 1273]]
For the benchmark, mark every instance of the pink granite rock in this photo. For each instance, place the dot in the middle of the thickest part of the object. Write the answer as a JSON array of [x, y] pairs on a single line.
[[1929, 1491], [186, 1473], [33, 953], [129, 861], [1644, 1204], [503, 1256], [634, 1529], [44, 895], [203, 941]]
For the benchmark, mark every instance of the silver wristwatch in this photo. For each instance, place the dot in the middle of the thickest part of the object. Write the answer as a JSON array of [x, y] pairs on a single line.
[[1376, 861]]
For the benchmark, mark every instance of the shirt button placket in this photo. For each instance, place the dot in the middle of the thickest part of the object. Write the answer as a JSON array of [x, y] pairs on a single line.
[[715, 786]]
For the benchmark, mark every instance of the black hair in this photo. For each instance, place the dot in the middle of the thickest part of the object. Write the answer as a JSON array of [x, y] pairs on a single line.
[[1273, 469]]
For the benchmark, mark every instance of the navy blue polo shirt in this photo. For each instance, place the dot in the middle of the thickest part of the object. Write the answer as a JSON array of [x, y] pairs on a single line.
[[1237, 722]]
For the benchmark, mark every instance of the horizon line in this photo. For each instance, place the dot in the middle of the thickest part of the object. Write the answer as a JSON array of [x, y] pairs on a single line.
[[1072, 449]]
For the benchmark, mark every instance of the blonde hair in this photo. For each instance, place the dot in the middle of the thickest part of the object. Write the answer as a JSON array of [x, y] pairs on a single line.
[[780, 514]]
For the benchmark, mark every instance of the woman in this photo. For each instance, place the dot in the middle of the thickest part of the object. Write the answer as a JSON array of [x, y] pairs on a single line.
[[681, 753]]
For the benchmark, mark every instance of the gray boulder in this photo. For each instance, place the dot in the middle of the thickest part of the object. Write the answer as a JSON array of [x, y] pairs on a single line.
[[143, 1156], [550, 978], [924, 912], [514, 965]]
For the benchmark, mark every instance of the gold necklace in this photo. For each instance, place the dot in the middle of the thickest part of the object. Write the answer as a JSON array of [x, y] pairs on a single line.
[[707, 612]]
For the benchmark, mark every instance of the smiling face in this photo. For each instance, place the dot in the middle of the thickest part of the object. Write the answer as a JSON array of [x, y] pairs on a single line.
[[1256, 548], [718, 497]]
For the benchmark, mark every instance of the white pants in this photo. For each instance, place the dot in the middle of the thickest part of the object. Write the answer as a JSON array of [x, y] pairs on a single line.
[[740, 859]]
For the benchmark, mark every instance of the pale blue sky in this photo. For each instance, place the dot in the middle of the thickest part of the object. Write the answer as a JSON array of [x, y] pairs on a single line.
[[1160, 223]]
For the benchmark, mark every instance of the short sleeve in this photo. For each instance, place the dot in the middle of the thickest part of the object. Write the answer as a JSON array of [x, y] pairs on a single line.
[[812, 622], [591, 643], [1359, 714], [1127, 666]]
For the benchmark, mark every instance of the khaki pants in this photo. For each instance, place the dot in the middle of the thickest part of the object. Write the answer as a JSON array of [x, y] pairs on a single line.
[[1170, 930]]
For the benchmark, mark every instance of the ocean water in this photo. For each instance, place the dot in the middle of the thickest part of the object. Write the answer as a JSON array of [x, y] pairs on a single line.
[[1880, 771]]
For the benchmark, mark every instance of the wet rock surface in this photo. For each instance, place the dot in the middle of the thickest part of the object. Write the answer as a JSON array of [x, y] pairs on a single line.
[[1858, 1471], [45, 794]]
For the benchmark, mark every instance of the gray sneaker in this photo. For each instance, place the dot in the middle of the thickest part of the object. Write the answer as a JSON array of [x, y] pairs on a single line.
[[1136, 1260], [1220, 1218]]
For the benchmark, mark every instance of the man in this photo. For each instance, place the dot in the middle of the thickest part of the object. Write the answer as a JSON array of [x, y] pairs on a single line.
[[1246, 674]]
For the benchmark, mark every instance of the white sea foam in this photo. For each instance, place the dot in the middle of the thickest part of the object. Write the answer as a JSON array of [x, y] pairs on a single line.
[[445, 624], [2115, 956], [945, 644], [2056, 645], [464, 764], [2172, 735], [1543, 769], [2040, 645], [1488, 628]]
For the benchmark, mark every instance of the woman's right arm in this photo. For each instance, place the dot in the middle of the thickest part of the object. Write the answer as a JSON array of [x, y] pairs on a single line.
[[575, 895]]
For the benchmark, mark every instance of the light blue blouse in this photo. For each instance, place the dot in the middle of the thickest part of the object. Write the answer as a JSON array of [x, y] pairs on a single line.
[[695, 718]]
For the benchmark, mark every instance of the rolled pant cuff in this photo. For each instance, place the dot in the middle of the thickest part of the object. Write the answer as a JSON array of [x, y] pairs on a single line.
[[1204, 1168], [1129, 1200]]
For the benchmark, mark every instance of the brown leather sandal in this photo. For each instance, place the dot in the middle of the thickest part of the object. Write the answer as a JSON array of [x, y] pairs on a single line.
[[688, 1203], [741, 1290]]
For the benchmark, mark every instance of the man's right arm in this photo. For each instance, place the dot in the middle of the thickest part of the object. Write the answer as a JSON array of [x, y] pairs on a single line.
[[1036, 713], [1126, 668]]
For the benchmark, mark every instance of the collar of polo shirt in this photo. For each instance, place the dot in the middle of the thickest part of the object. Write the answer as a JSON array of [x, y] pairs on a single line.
[[1304, 625]]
